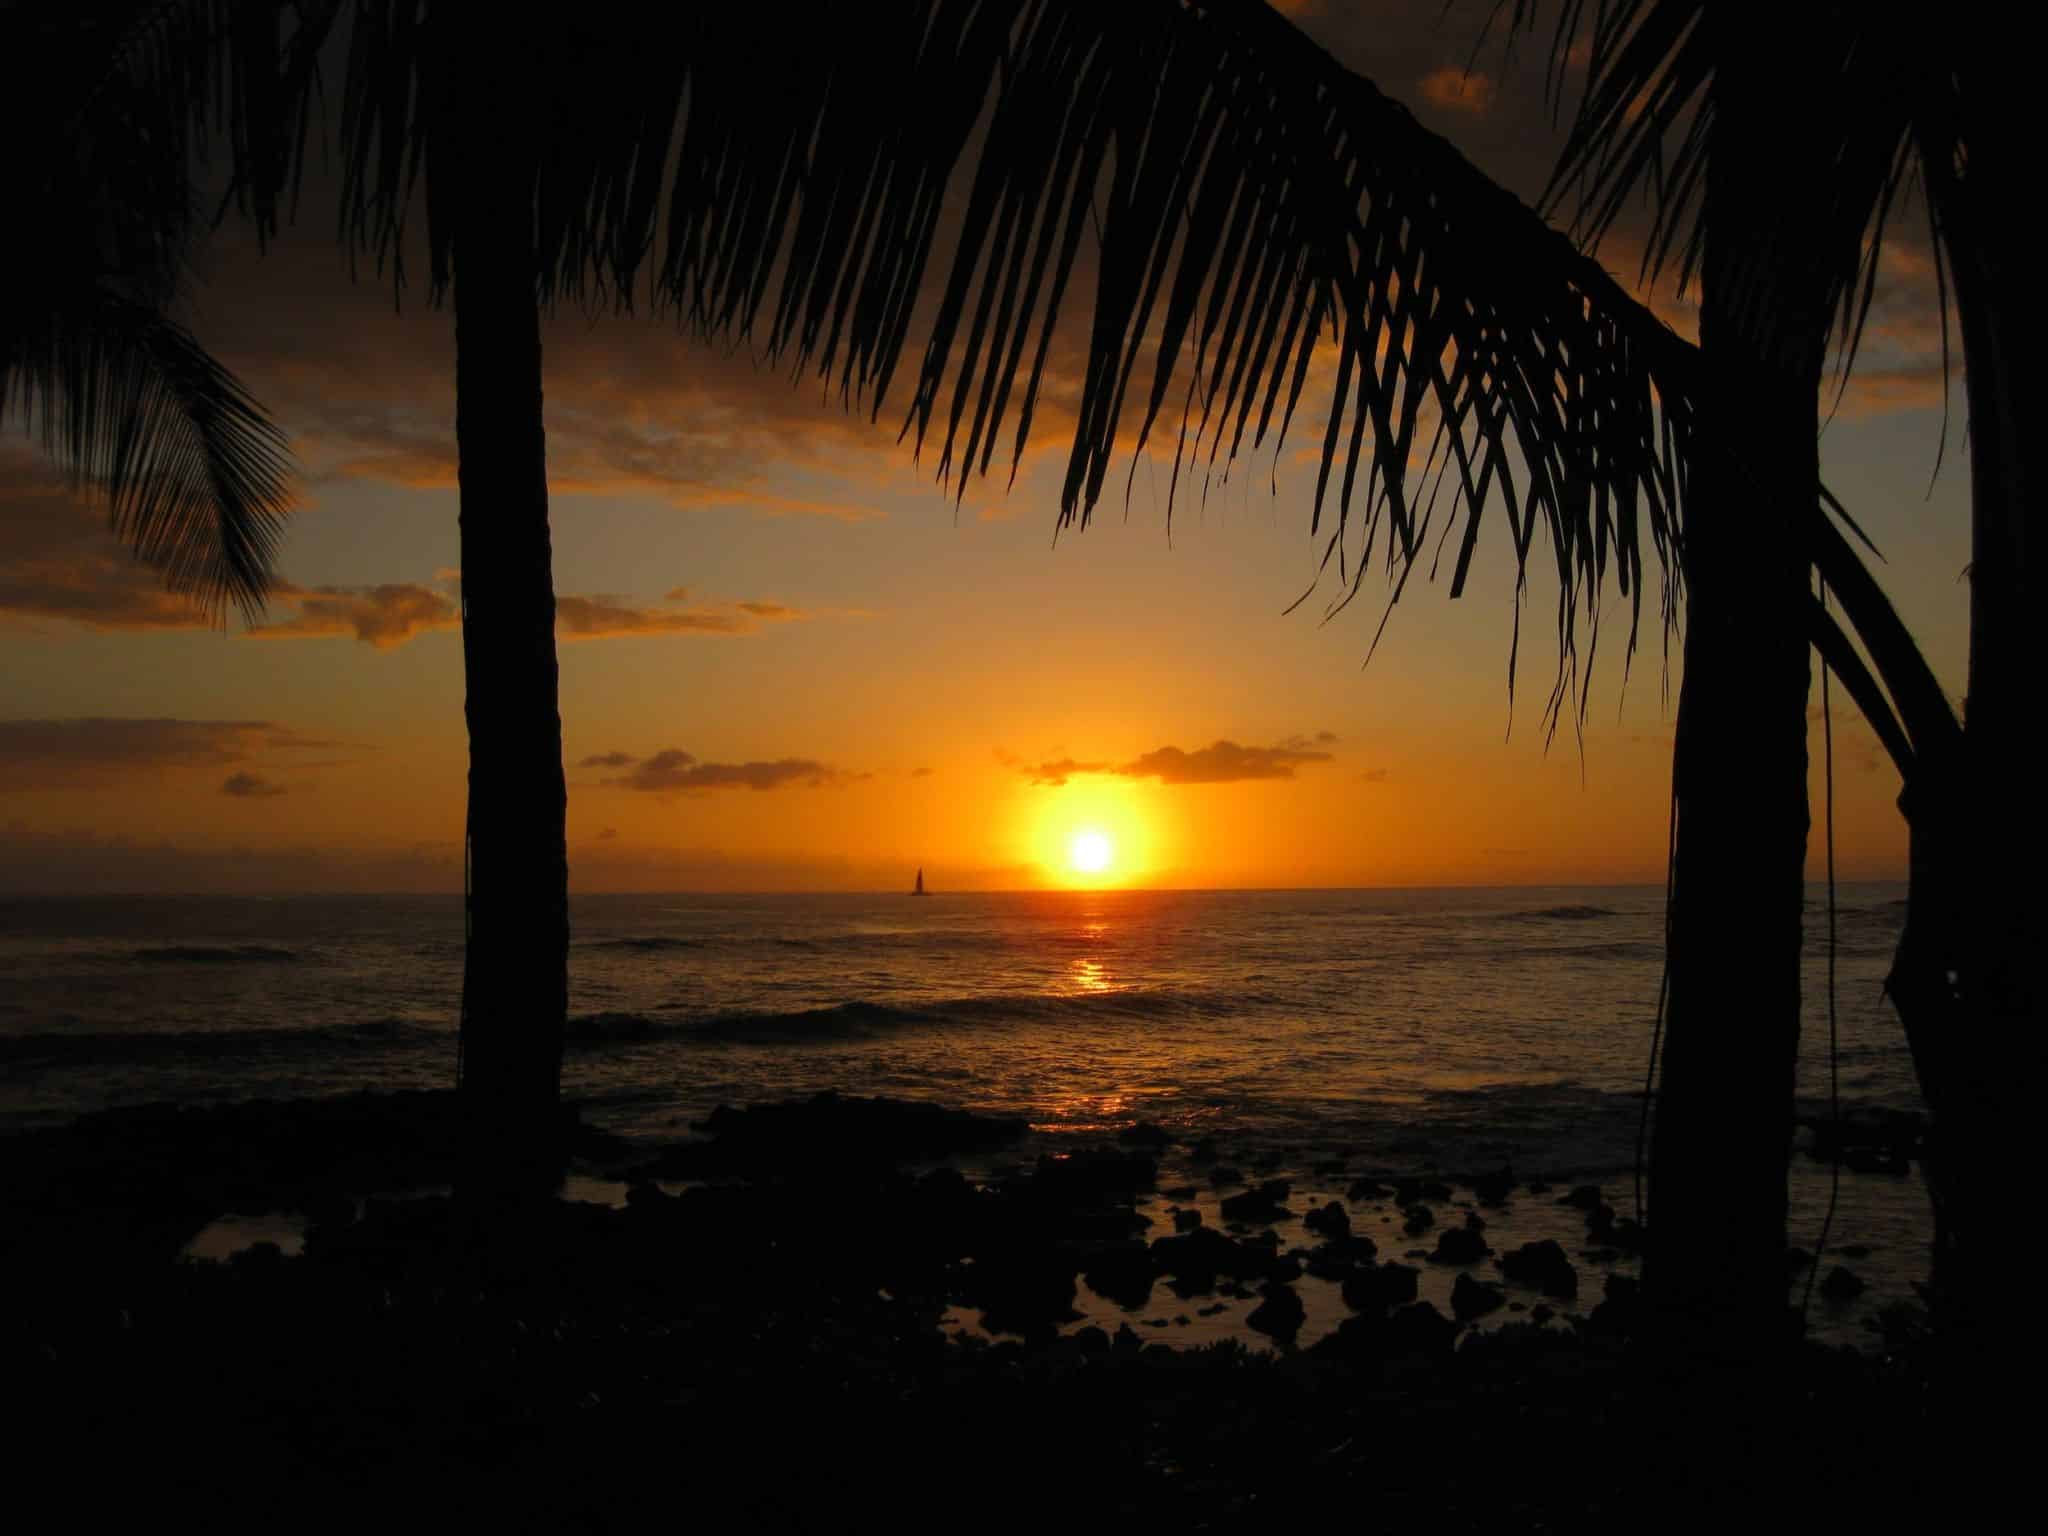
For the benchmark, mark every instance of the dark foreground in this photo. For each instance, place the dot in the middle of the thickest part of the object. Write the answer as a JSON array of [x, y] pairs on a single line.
[[764, 1349]]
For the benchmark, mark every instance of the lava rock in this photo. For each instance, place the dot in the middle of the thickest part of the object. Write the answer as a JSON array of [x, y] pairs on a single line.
[[1338, 1257], [1585, 1196], [1362, 1190], [1144, 1134], [1261, 1206], [1193, 1262], [1375, 1289], [1415, 1190], [1186, 1220], [1459, 1245], [1328, 1221], [1279, 1313], [1542, 1266], [1472, 1297], [1493, 1189], [1122, 1273], [1418, 1219], [1842, 1284]]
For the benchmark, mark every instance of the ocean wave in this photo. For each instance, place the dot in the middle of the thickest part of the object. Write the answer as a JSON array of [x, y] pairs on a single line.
[[215, 954], [1565, 914], [653, 943], [856, 1019], [91, 1048]]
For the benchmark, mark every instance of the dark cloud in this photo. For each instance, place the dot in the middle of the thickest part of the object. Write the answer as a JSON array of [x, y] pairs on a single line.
[[676, 771], [63, 753], [1373, 776], [382, 616], [251, 786], [920, 773], [1056, 773], [608, 760], [599, 618], [1221, 762]]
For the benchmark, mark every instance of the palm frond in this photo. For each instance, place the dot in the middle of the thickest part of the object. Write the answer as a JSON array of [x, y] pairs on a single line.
[[114, 106], [1246, 211], [197, 480], [1858, 78]]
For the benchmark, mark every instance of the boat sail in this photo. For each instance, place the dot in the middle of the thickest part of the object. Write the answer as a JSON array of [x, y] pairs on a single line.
[[918, 889]]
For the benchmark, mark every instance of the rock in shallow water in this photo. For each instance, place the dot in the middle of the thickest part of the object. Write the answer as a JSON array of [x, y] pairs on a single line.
[[1279, 1313], [1542, 1266], [1471, 1298]]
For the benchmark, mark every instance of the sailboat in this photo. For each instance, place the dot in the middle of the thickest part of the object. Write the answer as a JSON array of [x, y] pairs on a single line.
[[918, 889]]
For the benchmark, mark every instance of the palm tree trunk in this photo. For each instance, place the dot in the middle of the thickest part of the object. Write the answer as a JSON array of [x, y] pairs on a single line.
[[515, 987], [1981, 1129], [1715, 1272]]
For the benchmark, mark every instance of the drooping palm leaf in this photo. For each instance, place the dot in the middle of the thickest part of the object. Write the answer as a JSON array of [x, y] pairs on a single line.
[[1871, 79], [112, 107], [1245, 209]]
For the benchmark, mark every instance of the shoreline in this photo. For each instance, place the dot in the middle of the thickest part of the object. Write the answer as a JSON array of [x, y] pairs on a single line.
[[770, 1345]]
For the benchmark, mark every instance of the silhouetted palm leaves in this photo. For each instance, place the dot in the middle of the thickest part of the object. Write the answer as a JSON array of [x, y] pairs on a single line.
[[1248, 211], [106, 106]]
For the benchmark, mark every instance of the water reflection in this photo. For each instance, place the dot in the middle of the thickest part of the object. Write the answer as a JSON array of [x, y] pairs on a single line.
[[1089, 976]]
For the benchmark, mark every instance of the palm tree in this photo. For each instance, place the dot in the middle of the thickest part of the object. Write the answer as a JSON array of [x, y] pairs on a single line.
[[108, 107], [1247, 196], [1256, 194], [1800, 199]]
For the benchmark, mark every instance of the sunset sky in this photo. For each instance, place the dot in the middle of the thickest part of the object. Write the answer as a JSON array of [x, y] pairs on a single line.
[[788, 662]]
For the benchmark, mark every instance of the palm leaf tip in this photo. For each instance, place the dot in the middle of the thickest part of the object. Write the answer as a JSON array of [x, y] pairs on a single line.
[[197, 478]]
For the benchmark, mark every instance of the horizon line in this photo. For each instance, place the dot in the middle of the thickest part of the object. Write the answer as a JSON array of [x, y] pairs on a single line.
[[1025, 890]]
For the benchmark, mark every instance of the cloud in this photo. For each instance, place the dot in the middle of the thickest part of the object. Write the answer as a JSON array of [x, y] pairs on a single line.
[[1221, 762], [674, 771], [921, 773], [251, 786], [77, 752], [1373, 776], [1458, 90], [1054, 774], [608, 760], [603, 617], [381, 617]]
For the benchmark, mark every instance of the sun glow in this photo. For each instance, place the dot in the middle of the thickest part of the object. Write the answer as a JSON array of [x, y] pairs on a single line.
[[1090, 852], [1089, 835]]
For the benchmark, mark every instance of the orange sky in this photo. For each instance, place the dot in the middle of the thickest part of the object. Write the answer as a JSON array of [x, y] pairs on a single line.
[[788, 663]]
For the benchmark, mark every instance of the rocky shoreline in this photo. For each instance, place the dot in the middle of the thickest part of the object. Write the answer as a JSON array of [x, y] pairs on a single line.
[[765, 1328]]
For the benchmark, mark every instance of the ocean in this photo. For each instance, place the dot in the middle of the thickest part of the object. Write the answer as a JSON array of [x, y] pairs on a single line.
[[1401, 1030]]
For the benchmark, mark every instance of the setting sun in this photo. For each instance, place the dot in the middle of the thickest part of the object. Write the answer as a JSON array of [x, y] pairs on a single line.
[[1090, 853]]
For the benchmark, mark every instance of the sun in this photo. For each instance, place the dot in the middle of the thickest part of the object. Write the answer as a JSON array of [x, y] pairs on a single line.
[[1090, 852]]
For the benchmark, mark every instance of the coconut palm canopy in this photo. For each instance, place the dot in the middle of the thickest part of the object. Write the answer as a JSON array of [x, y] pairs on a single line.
[[941, 172], [803, 193]]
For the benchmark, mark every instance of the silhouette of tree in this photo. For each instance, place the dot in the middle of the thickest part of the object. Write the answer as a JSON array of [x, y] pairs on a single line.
[[1779, 151], [1246, 197], [107, 107]]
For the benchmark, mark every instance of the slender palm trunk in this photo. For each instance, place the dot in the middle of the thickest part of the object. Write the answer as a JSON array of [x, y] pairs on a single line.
[[515, 974], [1715, 1272], [1982, 1129]]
